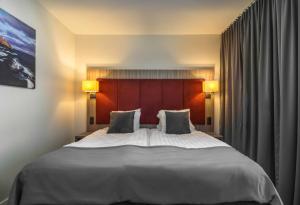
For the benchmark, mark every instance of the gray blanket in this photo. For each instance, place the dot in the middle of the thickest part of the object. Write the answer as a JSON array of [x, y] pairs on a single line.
[[157, 175]]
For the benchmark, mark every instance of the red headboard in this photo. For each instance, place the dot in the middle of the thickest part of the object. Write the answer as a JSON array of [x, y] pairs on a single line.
[[151, 96]]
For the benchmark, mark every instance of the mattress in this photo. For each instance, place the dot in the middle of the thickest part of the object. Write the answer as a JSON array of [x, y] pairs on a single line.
[[143, 171]]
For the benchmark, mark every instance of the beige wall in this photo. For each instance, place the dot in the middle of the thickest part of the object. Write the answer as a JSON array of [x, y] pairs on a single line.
[[142, 51], [33, 122]]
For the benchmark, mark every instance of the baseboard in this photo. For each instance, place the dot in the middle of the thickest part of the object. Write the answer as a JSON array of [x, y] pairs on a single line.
[[4, 202]]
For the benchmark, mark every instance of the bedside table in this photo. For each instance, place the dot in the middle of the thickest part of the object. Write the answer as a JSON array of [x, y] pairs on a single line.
[[81, 136], [215, 135]]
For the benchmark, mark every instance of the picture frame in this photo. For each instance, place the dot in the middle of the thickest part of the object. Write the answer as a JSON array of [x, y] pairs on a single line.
[[17, 52]]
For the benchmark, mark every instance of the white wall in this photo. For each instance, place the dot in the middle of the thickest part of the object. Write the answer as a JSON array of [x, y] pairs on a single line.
[[157, 51], [33, 122]]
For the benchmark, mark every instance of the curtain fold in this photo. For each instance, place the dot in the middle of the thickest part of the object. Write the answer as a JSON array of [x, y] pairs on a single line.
[[260, 90], [289, 105]]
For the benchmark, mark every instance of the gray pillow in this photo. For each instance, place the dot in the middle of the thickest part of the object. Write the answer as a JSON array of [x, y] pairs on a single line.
[[121, 122], [177, 123]]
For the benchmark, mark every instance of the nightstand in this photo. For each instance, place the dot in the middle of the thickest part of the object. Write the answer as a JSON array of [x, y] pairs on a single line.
[[81, 136], [218, 136]]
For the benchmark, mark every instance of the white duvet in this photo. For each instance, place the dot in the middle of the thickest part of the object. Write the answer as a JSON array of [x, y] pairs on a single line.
[[194, 140], [148, 138], [100, 138]]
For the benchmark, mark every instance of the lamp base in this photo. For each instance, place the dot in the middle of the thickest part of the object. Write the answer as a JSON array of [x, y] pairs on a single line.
[[92, 95], [208, 96]]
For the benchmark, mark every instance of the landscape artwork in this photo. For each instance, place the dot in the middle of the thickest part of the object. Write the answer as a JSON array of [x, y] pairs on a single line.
[[17, 52]]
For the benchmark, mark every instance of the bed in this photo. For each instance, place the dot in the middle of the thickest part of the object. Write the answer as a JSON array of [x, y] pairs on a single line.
[[145, 167]]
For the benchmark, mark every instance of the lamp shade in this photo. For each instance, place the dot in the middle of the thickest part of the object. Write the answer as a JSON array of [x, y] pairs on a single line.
[[90, 86], [211, 86]]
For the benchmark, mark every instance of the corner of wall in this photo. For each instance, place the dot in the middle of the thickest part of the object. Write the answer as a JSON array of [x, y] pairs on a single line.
[[45, 115]]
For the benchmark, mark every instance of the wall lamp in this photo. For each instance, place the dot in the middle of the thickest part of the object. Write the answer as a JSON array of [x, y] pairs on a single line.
[[210, 87], [91, 87]]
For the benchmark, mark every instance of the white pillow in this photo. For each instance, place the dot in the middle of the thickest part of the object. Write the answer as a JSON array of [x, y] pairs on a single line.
[[136, 120], [162, 126]]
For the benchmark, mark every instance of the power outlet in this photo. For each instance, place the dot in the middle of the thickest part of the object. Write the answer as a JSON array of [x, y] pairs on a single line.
[[208, 120], [92, 120]]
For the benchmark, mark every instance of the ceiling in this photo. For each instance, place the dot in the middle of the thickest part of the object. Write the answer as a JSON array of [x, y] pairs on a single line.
[[146, 17]]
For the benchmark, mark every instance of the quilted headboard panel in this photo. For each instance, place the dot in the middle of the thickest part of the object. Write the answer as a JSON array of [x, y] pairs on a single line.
[[151, 96]]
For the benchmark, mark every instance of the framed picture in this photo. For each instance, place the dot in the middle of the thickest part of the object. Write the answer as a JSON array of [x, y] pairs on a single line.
[[17, 52]]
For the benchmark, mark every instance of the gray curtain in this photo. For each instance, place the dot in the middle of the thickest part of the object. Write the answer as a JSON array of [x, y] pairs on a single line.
[[260, 90]]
